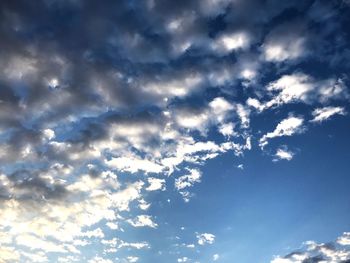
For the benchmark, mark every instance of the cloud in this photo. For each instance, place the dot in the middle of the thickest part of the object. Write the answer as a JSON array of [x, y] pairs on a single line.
[[155, 184], [285, 42], [132, 259], [226, 43], [286, 127], [299, 87], [93, 113], [216, 257], [283, 154], [183, 259], [323, 114], [142, 221], [318, 252], [205, 238], [188, 180]]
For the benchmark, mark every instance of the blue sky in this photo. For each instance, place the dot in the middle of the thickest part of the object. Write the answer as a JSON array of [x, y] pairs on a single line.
[[174, 131]]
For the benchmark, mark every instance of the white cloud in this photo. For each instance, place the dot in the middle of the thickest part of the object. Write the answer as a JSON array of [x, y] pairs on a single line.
[[132, 259], [155, 184], [9, 254], [326, 252], [227, 129], [142, 221], [299, 87], [134, 164], [205, 238], [99, 260], [344, 240], [286, 127], [229, 42], [34, 242], [323, 114], [183, 259], [188, 180], [284, 50], [96, 233], [283, 154], [113, 226], [216, 257]]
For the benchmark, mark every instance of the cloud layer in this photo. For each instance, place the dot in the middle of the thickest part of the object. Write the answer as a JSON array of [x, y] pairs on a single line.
[[103, 105]]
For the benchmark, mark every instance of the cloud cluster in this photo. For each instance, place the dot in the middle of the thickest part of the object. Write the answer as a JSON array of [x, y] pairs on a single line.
[[102, 105], [338, 251]]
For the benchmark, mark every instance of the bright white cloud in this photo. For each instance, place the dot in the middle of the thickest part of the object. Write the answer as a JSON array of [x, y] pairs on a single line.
[[188, 180], [283, 154], [229, 42], [205, 238], [183, 259], [286, 127], [344, 240], [323, 114], [134, 164], [155, 184], [326, 252], [227, 129], [143, 221]]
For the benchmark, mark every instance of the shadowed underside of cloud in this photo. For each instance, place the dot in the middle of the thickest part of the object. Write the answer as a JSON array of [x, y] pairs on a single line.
[[92, 93], [311, 252]]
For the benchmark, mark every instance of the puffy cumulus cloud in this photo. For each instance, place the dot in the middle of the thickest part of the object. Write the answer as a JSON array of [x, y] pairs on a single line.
[[216, 257], [205, 238], [286, 42], [286, 127], [283, 154], [344, 240], [229, 42], [55, 226], [142, 221], [143, 90], [132, 259], [156, 184], [185, 181], [323, 114], [318, 252], [9, 254], [299, 87]]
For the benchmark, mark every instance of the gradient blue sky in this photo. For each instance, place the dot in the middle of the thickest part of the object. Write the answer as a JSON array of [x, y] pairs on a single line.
[[174, 131]]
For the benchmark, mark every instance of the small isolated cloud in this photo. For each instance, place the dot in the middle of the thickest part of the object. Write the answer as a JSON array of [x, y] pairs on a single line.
[[205, 238], [183, 259], [216, 257], [155, 184], [323, 114], [283, 154], [286, 127], [132, 259], [142, 221]]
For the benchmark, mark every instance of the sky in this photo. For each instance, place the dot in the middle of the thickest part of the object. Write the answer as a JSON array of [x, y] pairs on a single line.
[[174, 131]]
